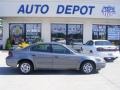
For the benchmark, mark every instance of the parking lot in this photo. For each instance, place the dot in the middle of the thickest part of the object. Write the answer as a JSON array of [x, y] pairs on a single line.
[[107, 79]]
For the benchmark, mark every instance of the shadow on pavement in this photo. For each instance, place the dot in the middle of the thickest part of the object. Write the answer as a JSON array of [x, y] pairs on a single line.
[[14, 71]]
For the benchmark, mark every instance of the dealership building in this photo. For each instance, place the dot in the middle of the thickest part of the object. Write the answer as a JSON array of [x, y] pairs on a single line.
[[59, 20]]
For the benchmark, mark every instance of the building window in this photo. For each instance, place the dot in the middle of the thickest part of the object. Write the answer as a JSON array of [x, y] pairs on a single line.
[[107, 32], [33, 32], [17, 33], [24, 32], [67, 33], [99, 32], [58, 33], [113, 32], [75, 33]]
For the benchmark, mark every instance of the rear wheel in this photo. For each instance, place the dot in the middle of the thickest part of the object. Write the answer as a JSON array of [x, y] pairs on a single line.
[[25, 67], [88, 67]]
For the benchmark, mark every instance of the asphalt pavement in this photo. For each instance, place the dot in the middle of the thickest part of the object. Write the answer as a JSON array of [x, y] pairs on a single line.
[[107, 79]]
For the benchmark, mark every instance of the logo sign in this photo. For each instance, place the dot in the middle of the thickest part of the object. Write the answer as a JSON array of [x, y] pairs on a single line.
[[108, 11]]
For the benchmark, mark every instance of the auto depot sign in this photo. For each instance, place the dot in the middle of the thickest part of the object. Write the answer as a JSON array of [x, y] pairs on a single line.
[[59, 9]]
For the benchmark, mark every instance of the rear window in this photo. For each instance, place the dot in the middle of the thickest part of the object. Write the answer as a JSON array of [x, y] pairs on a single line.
[[103, 43]]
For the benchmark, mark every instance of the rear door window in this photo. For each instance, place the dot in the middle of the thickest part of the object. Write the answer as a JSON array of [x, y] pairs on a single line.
[[41, 48]]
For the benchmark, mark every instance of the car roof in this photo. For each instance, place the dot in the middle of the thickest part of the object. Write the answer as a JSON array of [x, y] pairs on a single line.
[[47, 43]]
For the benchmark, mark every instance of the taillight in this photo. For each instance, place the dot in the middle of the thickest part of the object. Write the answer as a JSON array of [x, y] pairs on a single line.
[[10, 53], [103, 49]]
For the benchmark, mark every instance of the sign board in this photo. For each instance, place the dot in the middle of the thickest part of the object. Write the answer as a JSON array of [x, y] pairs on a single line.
[[59, 9]]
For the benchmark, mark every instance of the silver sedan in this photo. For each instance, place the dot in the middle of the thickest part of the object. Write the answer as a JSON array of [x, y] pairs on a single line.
[[52, 56]]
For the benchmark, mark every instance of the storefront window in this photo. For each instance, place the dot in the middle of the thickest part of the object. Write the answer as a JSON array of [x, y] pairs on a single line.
[[75, 33], [58, 33], [17, 33], [33, 32], [24, 32], [99, 32], [113, 32], [67, 33], [108, 32]]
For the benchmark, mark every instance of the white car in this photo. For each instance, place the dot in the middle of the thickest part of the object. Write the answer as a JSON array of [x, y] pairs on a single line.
[[101, 48]]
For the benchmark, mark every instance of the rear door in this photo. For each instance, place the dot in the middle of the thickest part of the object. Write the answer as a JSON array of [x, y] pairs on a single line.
[[63, 58], [41, 54]]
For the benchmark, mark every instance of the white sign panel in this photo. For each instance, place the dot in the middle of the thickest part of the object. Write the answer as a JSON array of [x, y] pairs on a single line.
[[59, 9]]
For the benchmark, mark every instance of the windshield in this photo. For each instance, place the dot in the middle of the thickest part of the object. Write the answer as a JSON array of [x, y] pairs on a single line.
[[103, 43]]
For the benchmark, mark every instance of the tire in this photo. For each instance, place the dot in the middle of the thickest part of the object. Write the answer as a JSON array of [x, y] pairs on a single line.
[[26, 67], [88, 67]]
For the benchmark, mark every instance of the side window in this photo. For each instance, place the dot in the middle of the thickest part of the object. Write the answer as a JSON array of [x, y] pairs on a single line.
[[41, 48], [60, 49], [89, 43]]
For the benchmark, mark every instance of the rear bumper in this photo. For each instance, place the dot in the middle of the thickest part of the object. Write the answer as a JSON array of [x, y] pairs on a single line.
[[11, 62], [108, 56]]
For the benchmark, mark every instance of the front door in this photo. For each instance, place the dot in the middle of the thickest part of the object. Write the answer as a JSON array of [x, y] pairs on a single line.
[[63, 58]]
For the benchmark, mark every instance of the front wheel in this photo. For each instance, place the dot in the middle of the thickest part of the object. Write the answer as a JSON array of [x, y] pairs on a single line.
[[88, 67], [25, 67]]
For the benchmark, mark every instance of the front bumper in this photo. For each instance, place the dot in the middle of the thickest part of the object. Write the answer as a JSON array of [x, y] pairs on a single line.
[[100, 65]]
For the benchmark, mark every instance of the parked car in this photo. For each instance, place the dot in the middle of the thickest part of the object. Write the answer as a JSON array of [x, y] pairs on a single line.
[[101, 48], [52, 56]]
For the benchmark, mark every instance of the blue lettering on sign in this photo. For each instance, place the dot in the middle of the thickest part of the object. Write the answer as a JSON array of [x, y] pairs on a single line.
[[84, 10], [68, 9], [21, 9], [61, 9], [73, 9], [28, 9]]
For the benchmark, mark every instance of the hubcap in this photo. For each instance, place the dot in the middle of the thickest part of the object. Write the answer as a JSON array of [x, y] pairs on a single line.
[[25, 67], [87, 68]]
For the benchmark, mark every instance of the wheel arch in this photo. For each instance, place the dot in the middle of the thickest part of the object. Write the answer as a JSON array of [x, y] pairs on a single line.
[[87, 61], [23, 60]]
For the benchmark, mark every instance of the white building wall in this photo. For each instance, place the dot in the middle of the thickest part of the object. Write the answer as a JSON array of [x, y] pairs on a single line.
[[5, 32], [46, 31], [87, 32]]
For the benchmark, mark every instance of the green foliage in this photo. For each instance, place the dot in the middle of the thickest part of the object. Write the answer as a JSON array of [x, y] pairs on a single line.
[[8, 44]]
